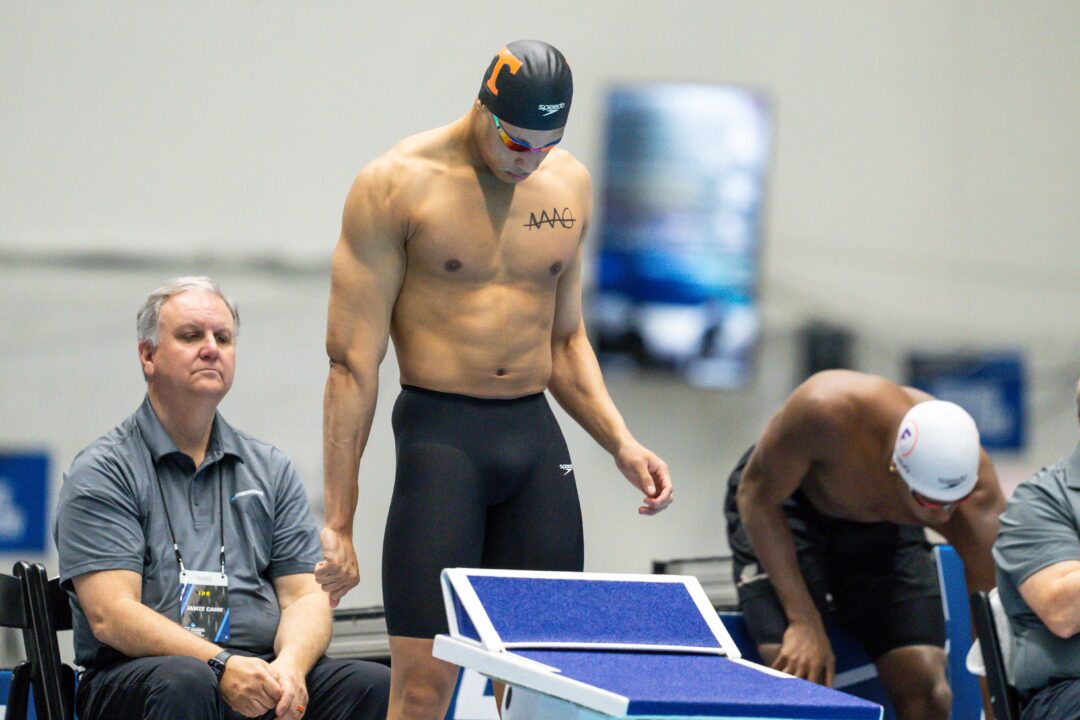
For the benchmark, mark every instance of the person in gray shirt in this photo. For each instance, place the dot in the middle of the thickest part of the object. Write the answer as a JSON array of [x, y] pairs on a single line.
[[1038, 571], [187, 549]]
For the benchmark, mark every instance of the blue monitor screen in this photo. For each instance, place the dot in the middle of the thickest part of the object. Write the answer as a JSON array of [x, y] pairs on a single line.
[[677, 267]]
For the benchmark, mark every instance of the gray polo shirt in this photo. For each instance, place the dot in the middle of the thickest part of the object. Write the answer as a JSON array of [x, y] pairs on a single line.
[[1040, 527], [110, 517]]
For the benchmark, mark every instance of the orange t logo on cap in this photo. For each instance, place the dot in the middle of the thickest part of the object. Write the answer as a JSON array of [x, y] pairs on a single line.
[[505, 58]]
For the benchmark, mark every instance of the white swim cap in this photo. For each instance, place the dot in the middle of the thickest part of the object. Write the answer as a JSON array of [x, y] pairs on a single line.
[[937, 450]]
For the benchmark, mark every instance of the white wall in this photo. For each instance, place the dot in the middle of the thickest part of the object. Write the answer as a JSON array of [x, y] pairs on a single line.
[[923, 193]]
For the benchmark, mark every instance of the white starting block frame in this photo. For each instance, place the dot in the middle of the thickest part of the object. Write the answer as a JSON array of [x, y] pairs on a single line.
[[592, 646]]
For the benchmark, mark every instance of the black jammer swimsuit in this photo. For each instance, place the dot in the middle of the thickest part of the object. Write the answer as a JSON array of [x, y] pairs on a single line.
[[480, 483]]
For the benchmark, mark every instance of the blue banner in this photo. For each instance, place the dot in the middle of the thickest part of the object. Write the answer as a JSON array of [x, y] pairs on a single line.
[[683, 204], [24, 491], [990, 386]]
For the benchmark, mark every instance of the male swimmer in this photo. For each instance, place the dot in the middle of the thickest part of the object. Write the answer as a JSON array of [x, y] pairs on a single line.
[[443, 249], [825, 520]]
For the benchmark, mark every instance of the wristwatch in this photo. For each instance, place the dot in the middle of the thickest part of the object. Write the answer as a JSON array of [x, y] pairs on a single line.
[[217, 663]]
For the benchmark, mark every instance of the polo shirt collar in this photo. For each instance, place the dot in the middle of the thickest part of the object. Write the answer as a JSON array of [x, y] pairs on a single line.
[[223, 439], [1072, 469]]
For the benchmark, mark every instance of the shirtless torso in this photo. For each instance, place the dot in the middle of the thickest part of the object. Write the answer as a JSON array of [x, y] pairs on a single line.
[[833, 440], [486, 266], [830, 446]]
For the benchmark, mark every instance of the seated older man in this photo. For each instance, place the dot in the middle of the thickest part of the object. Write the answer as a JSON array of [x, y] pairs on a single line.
[[188, 548], [1038, 559]]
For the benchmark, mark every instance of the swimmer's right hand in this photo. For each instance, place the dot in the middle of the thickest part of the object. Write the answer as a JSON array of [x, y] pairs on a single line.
[[337, 573], [806, 653]]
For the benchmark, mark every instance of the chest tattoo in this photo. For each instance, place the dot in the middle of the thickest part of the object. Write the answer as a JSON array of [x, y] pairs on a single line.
[[564, 217]]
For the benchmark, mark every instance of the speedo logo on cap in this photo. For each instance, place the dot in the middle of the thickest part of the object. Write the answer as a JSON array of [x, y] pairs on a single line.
[[550, 109]]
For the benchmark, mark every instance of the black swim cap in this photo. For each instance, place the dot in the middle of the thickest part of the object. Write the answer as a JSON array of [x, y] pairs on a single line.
[[529, 84]]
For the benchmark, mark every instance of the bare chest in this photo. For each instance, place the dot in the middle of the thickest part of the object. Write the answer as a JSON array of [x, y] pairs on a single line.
[[857, 488], [462, 233]]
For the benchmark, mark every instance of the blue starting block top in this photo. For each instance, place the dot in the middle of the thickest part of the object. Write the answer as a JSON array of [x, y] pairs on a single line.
[[507, 609], [626, 646]]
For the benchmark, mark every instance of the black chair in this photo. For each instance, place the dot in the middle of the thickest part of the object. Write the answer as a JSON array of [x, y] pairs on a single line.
[[14, 601], [1003, 697]]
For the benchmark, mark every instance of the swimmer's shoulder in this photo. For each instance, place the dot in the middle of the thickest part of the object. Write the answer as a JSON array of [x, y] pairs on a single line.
[[390, 183], [562, 164], [853, 401], [406, 163], [819, 418], [837, 397]]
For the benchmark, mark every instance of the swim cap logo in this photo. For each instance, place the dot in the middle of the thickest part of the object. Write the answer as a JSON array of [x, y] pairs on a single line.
[[550, 109], [506, 59], [909, 435], [949, 483]]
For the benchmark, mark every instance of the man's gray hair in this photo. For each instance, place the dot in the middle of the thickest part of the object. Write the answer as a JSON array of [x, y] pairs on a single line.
[[149, 317]]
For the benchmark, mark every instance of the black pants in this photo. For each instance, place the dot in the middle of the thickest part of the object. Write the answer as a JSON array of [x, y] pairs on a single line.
[[1060, 701], [183, 688]]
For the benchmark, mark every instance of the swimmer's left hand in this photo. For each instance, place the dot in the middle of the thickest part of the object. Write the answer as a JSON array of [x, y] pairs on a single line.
[[647, 472]]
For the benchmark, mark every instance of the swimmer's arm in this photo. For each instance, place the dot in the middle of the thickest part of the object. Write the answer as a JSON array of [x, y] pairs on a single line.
[[788, 446], [973, 527], [367, 270], [576, 381], [972, 530], [774, 471], [578, 386]]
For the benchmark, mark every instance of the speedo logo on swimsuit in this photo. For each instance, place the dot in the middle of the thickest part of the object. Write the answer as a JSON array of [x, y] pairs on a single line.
[[751, 574], [567, 469], [244, 493], [550, 109]]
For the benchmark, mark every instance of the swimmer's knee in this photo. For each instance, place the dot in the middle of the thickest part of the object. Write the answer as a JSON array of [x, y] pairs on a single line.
[[420, 697], [420, 685]]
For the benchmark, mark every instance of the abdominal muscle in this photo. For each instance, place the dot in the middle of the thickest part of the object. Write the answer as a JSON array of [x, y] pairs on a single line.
[[491, 341]]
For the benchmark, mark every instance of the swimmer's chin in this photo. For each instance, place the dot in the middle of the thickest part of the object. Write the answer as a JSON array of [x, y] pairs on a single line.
[[516, 177]]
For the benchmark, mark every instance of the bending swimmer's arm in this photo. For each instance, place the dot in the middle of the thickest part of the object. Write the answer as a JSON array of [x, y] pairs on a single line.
[[578, 386], [366, 274], [973, 527], [972, 530], [781, 458]]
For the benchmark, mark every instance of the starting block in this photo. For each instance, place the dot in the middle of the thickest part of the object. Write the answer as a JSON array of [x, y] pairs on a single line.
[[589, 646]]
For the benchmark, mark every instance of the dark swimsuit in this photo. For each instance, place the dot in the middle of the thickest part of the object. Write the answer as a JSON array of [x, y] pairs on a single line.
[[876, 579], [480, 483]]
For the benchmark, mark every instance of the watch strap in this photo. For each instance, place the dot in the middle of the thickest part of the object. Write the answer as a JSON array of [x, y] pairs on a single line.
[[217, 663]]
